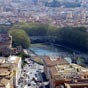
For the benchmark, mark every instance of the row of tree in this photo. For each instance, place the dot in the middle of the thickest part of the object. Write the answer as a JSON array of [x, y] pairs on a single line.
[[76, 37], [56, 3]]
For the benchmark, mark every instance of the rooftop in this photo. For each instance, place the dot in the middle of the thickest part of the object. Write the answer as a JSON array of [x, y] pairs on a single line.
[[71, 71], [4, 71], [9, 60], [14, 59], [4, 37], [52, 61]]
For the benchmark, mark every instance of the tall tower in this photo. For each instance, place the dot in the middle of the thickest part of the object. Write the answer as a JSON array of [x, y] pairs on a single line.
[[69, 16]]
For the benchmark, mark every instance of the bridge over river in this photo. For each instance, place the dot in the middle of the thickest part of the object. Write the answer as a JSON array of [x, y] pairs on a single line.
[[43, 50]]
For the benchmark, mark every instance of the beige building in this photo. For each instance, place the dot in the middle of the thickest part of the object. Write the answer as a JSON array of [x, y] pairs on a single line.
[[4, 83], [61, 74], [68, 76], [17, 63], [6, 76], [13, 64]]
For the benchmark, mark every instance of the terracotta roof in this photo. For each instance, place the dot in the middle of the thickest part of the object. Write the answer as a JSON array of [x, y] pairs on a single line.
[[59, 61]]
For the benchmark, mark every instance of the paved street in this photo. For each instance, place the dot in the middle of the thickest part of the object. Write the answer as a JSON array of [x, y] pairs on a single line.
[[31, 76]]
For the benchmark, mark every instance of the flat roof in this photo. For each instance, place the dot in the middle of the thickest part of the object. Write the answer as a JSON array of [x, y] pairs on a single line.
[[14, 59], [67, 71]]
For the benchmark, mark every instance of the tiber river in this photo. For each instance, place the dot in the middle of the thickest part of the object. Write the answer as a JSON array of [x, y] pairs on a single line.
[[51, 50]]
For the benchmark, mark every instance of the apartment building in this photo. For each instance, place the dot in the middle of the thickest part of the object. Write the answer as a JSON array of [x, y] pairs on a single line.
[[6, 48], [64, 75], [52, 61], [16, 61], [13, 64], [68, 76], [61, 74], [5, 43], [6, 76]]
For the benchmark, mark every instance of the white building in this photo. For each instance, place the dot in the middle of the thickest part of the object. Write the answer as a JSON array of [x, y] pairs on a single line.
[[17, 63]]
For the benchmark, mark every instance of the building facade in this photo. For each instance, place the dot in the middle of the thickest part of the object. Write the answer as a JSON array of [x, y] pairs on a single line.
[[10, 65], [61, 74], [5, 43]]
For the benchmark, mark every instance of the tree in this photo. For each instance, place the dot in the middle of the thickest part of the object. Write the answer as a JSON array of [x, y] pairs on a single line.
[[20, 37], [53, 3], [32, 29], [75, 37]]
